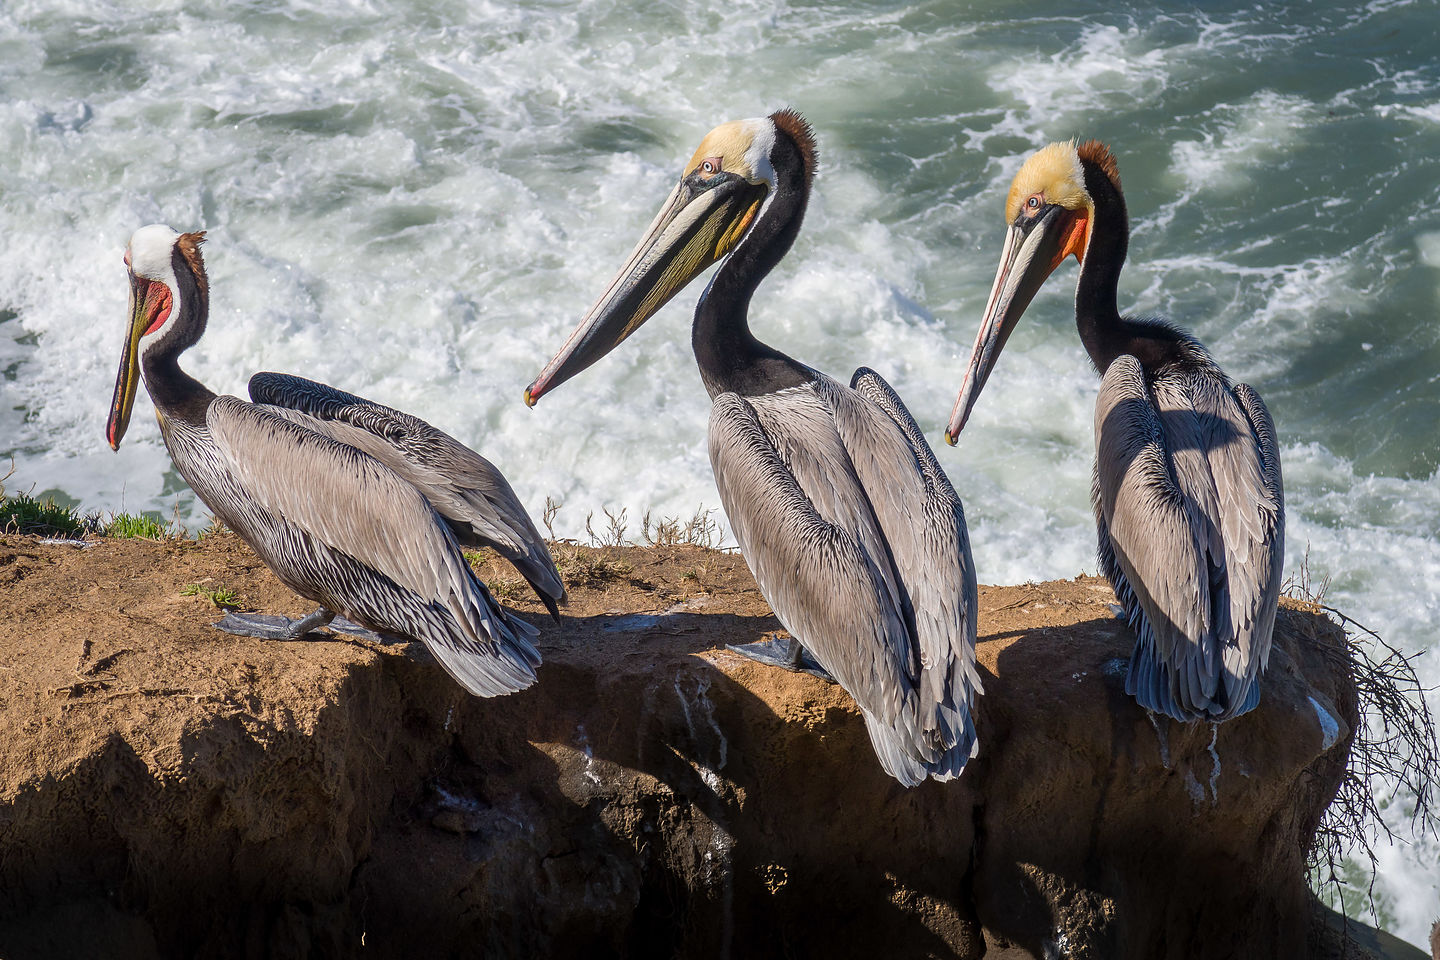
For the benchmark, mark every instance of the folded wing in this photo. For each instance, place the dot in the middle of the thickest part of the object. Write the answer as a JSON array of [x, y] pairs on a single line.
[[466, 489], [839, 520], [369, 544], [1188, 503]]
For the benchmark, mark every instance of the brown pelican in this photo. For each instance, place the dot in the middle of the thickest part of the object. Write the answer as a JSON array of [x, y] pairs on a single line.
[[849, 525], [1187, 490], [341, 520]]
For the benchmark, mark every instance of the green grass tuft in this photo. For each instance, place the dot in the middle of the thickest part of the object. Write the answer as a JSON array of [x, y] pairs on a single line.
[[23, 513], [133, 526]]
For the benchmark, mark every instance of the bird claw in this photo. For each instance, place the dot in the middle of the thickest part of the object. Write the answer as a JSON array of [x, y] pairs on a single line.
[[786, 653], [264, 626]]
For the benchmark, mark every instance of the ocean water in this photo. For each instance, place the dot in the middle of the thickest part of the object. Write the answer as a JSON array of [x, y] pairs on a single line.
[[416, 201]]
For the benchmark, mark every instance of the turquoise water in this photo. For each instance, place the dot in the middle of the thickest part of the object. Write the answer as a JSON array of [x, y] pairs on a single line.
[[416, 201]]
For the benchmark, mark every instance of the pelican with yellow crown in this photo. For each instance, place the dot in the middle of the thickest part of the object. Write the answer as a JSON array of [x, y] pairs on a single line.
[[851, 529], [1187, 491]]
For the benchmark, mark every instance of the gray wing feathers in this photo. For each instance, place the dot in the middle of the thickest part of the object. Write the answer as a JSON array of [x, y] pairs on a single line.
[[464, 487], [402, 540], [798, 556], [826, 588], [1147, 537], [903, 479], [1189, 507], [1263, 563], [802, 507]]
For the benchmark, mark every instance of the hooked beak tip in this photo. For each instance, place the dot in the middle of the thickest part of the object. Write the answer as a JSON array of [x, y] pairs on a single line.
[[952, 438], [530, 396]]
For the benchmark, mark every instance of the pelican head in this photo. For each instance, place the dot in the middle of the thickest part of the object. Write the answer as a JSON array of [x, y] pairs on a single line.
[[719, 197], [154, 258], [1050, 212]]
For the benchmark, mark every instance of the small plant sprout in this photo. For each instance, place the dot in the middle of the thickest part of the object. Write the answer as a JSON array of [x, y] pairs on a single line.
[[222, 597]]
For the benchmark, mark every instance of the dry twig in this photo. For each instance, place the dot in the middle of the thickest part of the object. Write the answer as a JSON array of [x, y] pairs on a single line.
[[1394, 744]]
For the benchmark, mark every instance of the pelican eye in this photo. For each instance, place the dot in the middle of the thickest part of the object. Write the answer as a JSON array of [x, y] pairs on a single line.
[[1033, 205], [710, 166]]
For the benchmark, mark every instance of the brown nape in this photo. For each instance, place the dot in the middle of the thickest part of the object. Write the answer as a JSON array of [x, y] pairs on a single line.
[[189, 247], [1097, 153], [799, 130]]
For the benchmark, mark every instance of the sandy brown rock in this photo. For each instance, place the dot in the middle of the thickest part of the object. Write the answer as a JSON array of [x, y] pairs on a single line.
[[173, 791]]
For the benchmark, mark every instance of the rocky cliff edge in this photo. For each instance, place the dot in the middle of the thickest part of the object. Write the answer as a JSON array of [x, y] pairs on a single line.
[[167, 790]]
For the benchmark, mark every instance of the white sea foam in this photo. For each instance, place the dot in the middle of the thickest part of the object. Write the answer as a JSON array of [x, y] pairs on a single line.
[[416, 201], [1251, 135], [1105, 65]]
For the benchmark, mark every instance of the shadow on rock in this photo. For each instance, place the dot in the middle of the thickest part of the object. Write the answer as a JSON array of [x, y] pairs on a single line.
[[655, 795]]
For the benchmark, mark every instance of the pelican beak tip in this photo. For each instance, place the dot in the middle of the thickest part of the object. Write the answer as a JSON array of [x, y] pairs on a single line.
[[952, 438], [530, 398]]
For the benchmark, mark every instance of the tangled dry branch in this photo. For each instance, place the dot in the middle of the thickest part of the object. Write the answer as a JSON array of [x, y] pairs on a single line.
[[1394, 748]]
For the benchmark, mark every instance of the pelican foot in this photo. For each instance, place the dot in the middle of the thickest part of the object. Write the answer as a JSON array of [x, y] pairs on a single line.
[[786, 653], [262, 625], [268, 627]]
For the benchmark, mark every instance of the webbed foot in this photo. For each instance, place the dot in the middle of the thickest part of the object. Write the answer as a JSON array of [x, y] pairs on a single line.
[[784, 652], [271, 627]]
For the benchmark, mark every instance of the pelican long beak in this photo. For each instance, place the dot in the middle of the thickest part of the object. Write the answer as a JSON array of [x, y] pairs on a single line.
[[149, 307], [1033, 249], [699, 223]]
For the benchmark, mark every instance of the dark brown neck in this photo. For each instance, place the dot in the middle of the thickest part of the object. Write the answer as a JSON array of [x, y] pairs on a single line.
[[174, 392], [1105, 333], [730, 357]]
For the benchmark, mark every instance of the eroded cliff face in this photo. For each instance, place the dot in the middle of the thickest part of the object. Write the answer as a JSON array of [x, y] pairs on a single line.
[[166, 790]]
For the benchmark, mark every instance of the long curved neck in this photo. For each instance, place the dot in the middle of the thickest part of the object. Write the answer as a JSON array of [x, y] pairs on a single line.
[[1104, 332], [175, 393], [730, 357], [1096, 312]]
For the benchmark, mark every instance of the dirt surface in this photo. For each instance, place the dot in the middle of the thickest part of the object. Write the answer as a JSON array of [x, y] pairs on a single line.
[[169, 790]]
